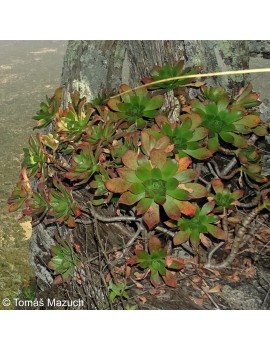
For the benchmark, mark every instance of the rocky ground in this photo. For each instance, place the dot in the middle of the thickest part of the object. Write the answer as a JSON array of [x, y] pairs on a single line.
[[28, 71]]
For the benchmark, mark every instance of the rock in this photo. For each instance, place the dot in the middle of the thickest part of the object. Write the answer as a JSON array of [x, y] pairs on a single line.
[[241, 297]]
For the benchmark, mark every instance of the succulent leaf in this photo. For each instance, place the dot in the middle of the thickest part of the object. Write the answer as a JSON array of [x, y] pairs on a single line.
[[201, 222]]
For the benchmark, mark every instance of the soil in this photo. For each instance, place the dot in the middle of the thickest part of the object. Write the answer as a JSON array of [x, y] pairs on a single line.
[[29, 70]]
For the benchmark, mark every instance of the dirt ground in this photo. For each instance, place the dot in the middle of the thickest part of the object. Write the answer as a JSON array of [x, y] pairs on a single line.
[[28, 71]]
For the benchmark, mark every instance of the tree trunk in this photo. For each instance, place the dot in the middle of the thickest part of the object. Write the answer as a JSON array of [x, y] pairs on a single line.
[[91, 66], [95, 66]]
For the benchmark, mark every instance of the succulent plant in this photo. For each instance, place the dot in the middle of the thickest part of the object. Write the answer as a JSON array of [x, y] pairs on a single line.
[[62, 206], [157, 263], [100, 132], [35, 157], [202, 222], [19, 195], [36, 206], [50, 140], [253, 171], [154, 182], [64, 260], [214, 93], [71, 123], [101, 194], [186, 136], [223, 197], [225, 123], [247, 97], [170, 71], [136, 106], [249, 155], [83, 165], [117, 290], [250, 159], [118, 148], [47, 112], [154, 139]]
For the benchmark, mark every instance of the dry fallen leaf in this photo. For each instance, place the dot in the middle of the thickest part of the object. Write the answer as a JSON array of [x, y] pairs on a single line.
[[197, 300], [117, 270], [153, 291], [214, 271], [250, 272], [215, 289], [27, 227], [247, 262], [128, 271], [139, 285], [195, 286], [140, 276], [108, 278], [233, 277], [206, 242], [143, 299], [196, 279], [139, 247]]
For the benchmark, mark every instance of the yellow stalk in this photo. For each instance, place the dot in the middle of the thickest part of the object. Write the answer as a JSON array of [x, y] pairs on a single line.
[[200, 75]]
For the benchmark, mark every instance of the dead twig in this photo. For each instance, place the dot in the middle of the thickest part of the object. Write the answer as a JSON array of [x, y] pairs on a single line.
[[220, 175], [239, 237], [208, 184], [212, 170], [211, 253], [111, 219], [233, 161], [225, 222], [226, 151], [131, 241], [229, 167]]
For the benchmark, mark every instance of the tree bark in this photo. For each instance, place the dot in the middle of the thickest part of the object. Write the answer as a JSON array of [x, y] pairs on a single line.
[[95, 66], [91, 66]]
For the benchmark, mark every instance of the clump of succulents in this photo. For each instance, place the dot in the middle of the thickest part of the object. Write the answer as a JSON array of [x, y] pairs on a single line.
[[251, 164], [62, 206], [36, 206], [127, 151], [64, 260], [71, 123], [47, 112], [137, 107], [170, 71], [203, 221], [35, 157], [224, 123], [153, 182], [157, 263], [83, 165], [247, 98], [187, 136], [223, 197], [214, 93]]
